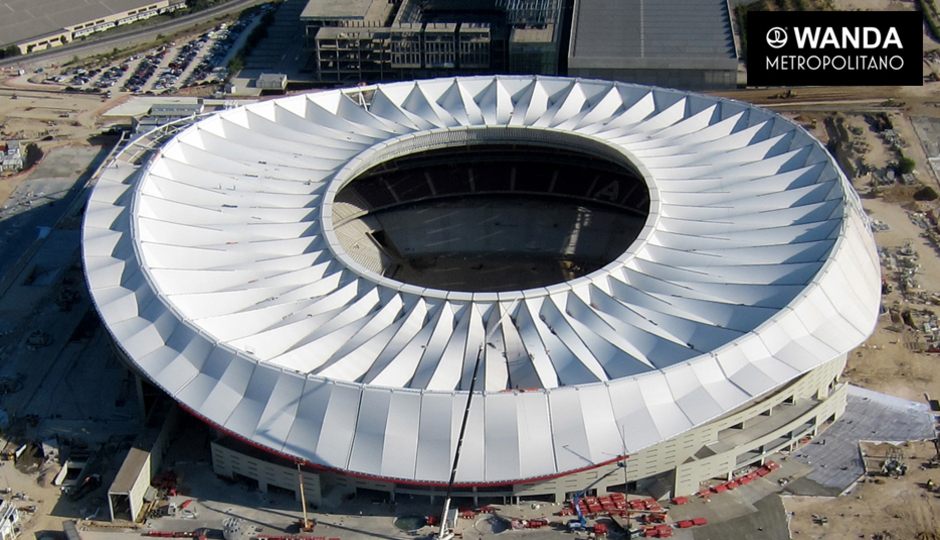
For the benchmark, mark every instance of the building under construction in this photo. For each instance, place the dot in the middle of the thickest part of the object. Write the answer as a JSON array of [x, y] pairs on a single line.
[[556, 272], [376, 40]]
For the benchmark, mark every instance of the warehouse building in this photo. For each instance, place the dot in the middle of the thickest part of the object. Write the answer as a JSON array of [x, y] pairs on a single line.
[[161, 114], [35, 25], [671, 43]]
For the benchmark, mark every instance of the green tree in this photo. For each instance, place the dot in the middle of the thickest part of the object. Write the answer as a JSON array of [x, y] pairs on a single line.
[[905, 165], [236, 64], [32, 155], [10, 51]]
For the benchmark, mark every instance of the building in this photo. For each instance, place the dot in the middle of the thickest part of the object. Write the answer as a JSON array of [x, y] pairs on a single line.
[[163, 113], [376, 40], [272, 81], [33, 25], [12, 157], [672, 43], [131, 488], [9, 520], [610, 271]]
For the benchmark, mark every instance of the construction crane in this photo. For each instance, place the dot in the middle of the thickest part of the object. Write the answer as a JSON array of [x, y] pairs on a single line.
[[623, 463], [446, 533], [305, 525]]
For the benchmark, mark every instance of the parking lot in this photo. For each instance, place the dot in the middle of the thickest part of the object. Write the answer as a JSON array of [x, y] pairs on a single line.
[[199, 59]]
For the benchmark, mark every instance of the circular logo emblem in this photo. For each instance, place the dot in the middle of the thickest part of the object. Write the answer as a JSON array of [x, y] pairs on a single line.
[[776, 37]]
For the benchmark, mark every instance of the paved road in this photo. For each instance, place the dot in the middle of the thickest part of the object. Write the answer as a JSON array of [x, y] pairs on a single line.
[[869, 415], [122, 39]]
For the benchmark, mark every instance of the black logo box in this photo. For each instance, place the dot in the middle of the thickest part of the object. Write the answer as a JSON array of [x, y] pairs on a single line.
[[772, 45]]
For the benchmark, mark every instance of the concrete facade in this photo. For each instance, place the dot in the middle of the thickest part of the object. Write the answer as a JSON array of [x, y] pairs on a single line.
[[693, 78], [232, 463], [375, 40], [127, 492]]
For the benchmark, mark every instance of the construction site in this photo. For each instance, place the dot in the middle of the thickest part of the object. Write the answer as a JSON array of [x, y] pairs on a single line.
[[186, 497], [91, 450], [81, 440]]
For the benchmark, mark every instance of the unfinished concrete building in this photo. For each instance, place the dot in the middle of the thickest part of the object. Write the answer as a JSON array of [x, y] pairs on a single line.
[[376, 40]]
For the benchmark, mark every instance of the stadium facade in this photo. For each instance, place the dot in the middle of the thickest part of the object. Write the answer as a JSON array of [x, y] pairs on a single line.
[[634, 271]]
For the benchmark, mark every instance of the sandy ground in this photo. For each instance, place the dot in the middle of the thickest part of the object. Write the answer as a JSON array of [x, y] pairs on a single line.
[[62, 119], [902, 507], [915, 149], [884, 363]]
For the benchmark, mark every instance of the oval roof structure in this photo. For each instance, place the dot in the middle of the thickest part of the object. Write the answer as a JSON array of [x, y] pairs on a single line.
[[217, 269]]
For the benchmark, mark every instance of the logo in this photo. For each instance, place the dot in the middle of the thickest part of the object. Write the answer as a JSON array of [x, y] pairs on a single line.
[[777, 37], [837, 48]]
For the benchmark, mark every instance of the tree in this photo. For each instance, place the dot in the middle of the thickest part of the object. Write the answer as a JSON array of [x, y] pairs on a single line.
[[236, 64], [32, 155], [905, 165], [9, 51]]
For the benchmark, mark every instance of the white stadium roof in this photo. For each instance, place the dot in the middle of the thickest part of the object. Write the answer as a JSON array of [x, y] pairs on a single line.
[[216, 268]]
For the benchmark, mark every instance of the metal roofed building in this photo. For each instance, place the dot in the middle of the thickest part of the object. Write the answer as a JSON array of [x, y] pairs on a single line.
[[638, 270], [165, 113], [40, 24], [272, 81], [673, 43]]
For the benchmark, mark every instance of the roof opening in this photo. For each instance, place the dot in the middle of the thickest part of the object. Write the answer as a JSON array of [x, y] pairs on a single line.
[[491, 217]]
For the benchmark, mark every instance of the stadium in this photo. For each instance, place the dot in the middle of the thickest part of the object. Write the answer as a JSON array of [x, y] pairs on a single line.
[[621, 274]]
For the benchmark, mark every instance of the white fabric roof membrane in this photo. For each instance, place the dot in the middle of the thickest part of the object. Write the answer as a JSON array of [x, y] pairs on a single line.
[[211, 268]]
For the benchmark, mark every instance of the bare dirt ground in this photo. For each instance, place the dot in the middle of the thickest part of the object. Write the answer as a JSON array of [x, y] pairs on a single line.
[[50, 119], [896, 508], [884, 363]]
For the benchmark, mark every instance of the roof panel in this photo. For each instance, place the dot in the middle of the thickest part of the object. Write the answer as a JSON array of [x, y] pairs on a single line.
[[748, 273]]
